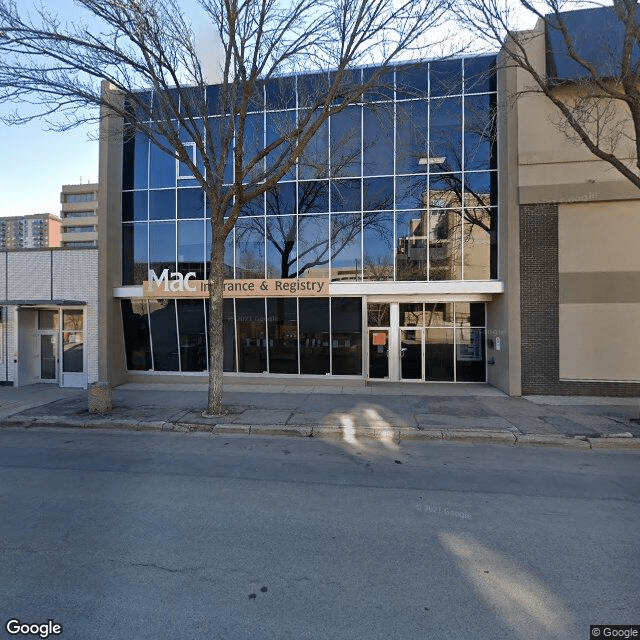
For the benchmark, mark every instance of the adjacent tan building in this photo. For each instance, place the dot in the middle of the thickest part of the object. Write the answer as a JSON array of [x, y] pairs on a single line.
[[569, 322], [79, 213]]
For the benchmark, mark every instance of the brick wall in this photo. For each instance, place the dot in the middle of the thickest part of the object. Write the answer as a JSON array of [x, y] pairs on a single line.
[[539, 305]]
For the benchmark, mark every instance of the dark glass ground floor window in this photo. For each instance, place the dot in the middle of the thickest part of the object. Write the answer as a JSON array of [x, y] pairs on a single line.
[[313, 336], [137, 345]]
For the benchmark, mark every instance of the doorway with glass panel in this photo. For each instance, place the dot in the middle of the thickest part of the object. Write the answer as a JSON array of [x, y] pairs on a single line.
[[59, 347], [442, 342]]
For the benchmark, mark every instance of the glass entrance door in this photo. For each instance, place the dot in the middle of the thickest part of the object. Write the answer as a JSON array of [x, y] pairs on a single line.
[[378, 353], [49, 357], [411, 357]]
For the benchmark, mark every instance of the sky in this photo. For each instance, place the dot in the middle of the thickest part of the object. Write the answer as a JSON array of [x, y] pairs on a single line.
[[35, 161]]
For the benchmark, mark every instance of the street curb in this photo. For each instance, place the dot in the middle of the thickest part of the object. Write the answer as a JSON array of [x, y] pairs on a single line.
[[615, 443], [349, 434], [527, 439]]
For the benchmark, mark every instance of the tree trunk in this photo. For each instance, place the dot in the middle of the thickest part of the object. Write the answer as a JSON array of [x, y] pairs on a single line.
[[216, 328]]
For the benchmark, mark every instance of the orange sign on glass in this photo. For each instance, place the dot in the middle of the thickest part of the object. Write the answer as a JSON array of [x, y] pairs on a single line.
[[379, 338]]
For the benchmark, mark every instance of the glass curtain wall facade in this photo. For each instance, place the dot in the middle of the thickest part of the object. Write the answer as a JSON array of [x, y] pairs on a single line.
[[401, 187]]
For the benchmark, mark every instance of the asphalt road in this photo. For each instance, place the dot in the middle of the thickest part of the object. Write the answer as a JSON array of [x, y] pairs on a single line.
[[121, 535]]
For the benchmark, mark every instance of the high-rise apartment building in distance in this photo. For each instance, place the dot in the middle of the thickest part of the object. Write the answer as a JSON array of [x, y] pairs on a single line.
[[79, 216], [37, 231]]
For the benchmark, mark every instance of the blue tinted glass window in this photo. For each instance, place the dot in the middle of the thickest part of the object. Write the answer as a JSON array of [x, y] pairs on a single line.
[[253, 145], [162, 168], [382, 85], [350, 81], [164, 108], [412, 81], [281, 200], [229, 244], [279, 124], [446, 77], [162, 204], [191, 235], [446, 135], [217, 130], [314, 161], [313, 196], [250, 246], [254, 207], [377, 193], [479, 132], [412, 246], [346, 128], [345, 195], [445, 191], [480, 188], [190, 203], [346, 246], [480, 74], [162, 246], [282, 242], [313, 245], [227, 211], [312, 90], [411, 192], [135, 253], [134, 206], [192, 102], [412, 144], [378, 140], [378, 245], [281, 93], [135, 162]]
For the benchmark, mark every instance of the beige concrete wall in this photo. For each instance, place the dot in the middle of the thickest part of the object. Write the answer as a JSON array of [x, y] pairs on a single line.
[[599, 276], [550, 154], [600, 342], [112, 366], [503, 313], [600, 236]]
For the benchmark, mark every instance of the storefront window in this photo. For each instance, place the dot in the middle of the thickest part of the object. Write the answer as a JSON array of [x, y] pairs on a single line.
[[193, 340], [251, 331], [136, 335], [164, 338], [282, 320], [438, 355], [346, 336], [314, 335]]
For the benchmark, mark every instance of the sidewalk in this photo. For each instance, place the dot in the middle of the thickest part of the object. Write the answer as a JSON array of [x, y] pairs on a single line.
[[384, 411]]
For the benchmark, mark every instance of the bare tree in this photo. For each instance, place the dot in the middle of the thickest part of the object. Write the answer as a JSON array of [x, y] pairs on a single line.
[[144, 51], [596, 89]]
